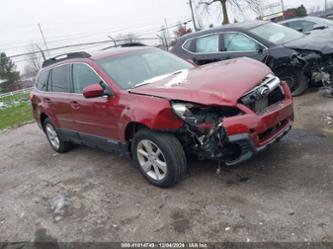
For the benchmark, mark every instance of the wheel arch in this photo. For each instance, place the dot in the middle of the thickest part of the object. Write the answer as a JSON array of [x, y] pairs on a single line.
[[158, 116], [42, 118], [132, 128]]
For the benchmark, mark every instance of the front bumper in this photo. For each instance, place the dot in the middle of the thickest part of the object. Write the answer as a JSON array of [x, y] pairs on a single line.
[[255, 132], [248, 147]]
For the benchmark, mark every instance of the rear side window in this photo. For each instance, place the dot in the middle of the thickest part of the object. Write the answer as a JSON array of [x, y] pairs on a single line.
[[208, 44], [41, 81], [83, 76], [60, 79]]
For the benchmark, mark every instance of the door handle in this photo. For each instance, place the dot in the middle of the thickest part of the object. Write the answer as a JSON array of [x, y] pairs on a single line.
[[47, 100], [75, 105]]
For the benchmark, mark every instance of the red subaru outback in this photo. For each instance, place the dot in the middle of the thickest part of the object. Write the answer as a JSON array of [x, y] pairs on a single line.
[[158, 108]]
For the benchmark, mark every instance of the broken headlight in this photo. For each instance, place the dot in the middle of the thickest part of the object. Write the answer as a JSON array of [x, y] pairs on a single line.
[[204, 126], [195, 114], [187, 111]]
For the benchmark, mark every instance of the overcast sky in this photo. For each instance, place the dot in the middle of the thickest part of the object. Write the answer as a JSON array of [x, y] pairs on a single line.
[[74, 21]]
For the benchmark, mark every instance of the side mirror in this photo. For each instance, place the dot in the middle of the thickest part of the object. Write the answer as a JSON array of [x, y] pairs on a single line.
[[319, 27], [260, 49], [93, 91]]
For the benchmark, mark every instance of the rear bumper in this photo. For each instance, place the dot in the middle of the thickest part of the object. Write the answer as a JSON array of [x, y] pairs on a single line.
[[248, 147]]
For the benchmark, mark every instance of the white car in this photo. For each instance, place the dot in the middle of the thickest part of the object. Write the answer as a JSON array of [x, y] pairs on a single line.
[[308, 24]]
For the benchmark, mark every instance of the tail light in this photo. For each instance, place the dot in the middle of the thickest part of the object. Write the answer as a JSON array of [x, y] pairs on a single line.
[[31, 96]]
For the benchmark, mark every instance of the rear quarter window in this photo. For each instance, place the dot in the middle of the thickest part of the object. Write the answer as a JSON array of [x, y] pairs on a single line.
[[189, 45], [41, 81]]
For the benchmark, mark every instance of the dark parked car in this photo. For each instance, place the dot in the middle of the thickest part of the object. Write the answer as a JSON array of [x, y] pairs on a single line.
[[293, 56], [156, 108], [308, 24]]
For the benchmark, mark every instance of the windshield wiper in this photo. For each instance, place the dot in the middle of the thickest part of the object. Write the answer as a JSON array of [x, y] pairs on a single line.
[[157, 78]]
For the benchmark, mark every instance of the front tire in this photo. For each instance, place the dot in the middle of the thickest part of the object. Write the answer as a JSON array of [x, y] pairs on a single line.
[[55, 140], [159, 156], [296, 80]]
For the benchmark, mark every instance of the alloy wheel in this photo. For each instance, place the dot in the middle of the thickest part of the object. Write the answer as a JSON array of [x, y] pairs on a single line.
[[151, 160], [52, 136]]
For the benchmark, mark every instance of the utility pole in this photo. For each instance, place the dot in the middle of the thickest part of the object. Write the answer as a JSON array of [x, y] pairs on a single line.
[[164, 37], [43, 37], [41, 51], [114, 41], [166, 34], [325, 6], [193, 17], [162, 40]]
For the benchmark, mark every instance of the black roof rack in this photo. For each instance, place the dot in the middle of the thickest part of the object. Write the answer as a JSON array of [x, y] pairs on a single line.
[[63, 57], [132, 44]]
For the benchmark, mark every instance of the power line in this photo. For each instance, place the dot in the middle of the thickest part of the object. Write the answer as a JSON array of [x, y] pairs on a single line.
[[86, 43], [89, 34], [38, 56], [78, 45]]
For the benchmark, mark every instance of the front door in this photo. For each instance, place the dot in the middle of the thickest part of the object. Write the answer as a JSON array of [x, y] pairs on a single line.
[[236, 44], [96, 116]]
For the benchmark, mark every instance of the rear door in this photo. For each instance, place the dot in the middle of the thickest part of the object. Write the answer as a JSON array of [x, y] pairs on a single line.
[[59, 96], [237, 44], [205, 49]]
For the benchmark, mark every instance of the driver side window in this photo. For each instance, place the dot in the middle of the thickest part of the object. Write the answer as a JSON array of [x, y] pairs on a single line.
[[239, 42], [83, 76]]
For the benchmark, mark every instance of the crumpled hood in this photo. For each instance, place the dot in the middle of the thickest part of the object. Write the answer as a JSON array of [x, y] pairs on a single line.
[[318, 40], [221, 83]]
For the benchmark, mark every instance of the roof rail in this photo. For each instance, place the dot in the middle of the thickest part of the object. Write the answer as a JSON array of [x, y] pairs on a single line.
[[133, 44], [63, 57]]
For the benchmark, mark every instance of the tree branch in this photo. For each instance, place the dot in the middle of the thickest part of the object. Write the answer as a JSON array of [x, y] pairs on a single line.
[[209, 3]]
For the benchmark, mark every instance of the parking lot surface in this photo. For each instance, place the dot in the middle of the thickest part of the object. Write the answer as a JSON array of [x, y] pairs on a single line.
[[285, 194]]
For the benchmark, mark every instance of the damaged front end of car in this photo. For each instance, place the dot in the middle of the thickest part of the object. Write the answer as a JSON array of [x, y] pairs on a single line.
[[267, 93], [319, 68], [203, 132]]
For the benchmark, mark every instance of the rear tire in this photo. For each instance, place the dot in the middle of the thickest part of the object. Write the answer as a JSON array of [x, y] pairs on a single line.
[[159, 156], [55, 140], [296, 80]]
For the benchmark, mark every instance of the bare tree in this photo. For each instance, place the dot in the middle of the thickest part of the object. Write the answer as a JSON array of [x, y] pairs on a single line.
[[240, 5], [127, 38], [312, 9], [29, 71], [34, 59]]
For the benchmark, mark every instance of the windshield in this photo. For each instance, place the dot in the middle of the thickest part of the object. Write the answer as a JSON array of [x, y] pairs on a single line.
[[276, 33], [131, 69], [322, 21]]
